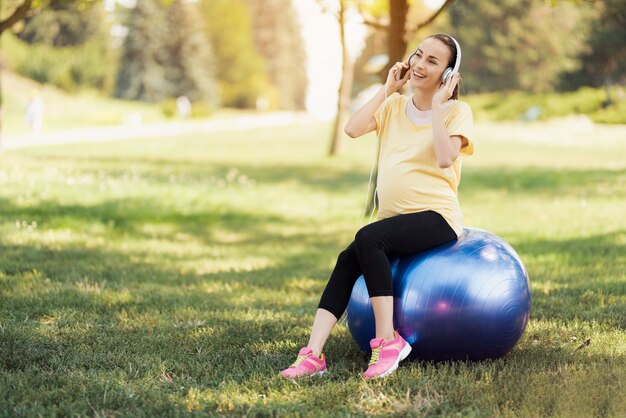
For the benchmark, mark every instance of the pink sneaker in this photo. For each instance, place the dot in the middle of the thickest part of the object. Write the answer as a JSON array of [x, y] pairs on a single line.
[[386, 355], [306, 365]]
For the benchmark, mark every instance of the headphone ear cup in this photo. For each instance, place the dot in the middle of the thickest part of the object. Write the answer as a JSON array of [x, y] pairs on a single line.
[[446, 74]]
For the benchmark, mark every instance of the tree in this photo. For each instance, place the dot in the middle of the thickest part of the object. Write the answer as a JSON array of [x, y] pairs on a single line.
[[142, 74], [523, 44], [347, 72], [605, 57], [239, 68], [190, 66], [64, 24], [20, 11], [277, 38], [69, 45], [165, 55]]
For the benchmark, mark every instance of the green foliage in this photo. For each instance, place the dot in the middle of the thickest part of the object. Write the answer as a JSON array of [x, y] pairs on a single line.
[[198, 109], [177, 276], [64, 23], [201, 110], [67, 46], [89, 65], [165, 55], [605, 56], [190, 65], [515, 105], [614, 114], [514, 44], [141, 75], [241, 71]]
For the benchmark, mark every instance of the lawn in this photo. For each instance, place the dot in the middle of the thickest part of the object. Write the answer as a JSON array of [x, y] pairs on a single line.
[[87, 109], [177, 276]]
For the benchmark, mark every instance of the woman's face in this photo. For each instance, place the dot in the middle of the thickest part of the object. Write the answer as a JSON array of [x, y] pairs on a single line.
[[429, 63]]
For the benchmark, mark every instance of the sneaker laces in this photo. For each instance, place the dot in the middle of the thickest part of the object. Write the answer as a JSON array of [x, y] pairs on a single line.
[[299, 360], [375, 355]]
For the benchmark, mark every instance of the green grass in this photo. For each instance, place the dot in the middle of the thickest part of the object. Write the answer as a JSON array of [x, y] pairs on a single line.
[[86, 109], [177, 276], [65, 111]]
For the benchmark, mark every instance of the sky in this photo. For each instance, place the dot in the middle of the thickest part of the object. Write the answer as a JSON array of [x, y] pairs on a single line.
[[320, 32]]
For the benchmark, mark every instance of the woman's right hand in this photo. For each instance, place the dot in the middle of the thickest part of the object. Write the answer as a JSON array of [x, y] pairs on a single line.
[[393, 84]]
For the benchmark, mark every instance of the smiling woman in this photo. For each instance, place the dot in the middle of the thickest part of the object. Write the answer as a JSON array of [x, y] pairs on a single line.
[[419, 172]]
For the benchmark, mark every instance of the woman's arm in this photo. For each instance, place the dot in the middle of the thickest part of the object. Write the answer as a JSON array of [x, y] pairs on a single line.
[[362, 121], [447, 148]]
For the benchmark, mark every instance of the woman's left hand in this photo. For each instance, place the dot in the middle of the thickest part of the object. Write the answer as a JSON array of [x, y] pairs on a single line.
[[446, 89]]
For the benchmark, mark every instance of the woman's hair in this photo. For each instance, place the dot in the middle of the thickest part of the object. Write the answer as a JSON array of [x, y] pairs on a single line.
[[452, 47]]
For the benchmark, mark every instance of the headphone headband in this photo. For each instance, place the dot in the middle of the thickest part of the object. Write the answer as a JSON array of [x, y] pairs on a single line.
[[457, 62]]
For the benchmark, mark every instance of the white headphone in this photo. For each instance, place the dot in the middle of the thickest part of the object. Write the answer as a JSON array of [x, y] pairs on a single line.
[[457, 62]]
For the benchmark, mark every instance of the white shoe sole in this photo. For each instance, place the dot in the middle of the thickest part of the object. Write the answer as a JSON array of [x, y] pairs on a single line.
[[403, 354]]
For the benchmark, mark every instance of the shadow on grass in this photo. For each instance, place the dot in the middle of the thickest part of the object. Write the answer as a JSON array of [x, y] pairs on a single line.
[[129, 217], [535, 180], [153, 334], [63, 307], [332, 177], [580, 278]]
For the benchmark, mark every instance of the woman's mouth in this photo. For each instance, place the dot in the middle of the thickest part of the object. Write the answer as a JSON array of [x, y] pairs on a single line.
[[418, 75]]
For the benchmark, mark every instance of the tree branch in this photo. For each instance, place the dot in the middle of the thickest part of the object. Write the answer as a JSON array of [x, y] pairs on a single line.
[[18, 14], [411, 30], [370, 20], [375, 23]]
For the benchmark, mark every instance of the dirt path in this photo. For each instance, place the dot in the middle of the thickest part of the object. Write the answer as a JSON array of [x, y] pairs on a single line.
[[127, 132]]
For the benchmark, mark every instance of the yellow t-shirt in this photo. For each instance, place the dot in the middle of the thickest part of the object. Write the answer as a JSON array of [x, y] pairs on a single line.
[[409, 178]]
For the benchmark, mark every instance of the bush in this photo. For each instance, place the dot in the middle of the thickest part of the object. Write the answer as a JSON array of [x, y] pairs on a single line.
[[614, 114], [516, 105], [201, 110], [168, 108], [90, 65]]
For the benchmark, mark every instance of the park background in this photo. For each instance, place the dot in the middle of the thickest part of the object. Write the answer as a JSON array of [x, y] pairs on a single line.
[[156, 261]]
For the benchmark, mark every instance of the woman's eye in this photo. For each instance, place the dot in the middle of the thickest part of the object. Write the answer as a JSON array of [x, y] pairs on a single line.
[[432, 62]]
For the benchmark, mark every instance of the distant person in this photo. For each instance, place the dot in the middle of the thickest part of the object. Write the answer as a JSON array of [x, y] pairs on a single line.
[[422, 138], [183, 107], [34, 114]]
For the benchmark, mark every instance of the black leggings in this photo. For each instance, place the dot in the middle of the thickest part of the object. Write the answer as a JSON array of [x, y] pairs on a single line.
[[368, 255]]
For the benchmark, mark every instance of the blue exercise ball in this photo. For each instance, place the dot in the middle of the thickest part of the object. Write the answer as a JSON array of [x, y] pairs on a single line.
[[468, 299]]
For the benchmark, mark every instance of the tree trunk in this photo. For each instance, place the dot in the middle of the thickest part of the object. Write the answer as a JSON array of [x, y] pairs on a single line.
[[345, 86], [396, 34]]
